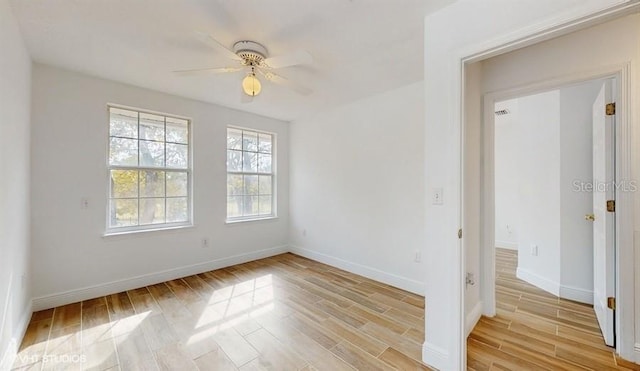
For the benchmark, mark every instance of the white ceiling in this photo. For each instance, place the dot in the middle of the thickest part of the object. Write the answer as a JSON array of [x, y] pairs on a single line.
[[360, 47]]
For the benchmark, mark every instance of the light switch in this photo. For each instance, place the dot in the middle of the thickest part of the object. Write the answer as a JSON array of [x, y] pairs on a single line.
[[436, 196]]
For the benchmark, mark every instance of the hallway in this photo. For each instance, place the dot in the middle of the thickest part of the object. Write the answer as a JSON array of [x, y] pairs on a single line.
[[536, 330]]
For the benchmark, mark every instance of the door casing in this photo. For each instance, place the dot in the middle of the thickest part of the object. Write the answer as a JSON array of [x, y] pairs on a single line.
[[624, 201]]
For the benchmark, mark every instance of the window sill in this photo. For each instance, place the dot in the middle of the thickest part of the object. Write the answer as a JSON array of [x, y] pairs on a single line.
[[135, 232], [239, 221]]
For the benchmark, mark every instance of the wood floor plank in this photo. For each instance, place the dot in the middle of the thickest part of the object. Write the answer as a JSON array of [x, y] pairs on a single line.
[[316, 332], [400, 361], [157, 332], [379, 319], [170, 358], [398, 305], [362, 340], [534, 329], [364, 301], [143, 301], [288, 312], [183, 291], [100, 355], [133, 350], [96, 323], [357, 358], [399, 342], [235, 347], [119, 306], [313, 352], [215, 360], [67, 315], [341, 314], [416, 335], [272, 354]]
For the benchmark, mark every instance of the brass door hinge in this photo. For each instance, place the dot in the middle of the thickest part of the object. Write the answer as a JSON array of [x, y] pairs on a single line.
[[610, 109], [611, 303], [611, 206], [460, 233]]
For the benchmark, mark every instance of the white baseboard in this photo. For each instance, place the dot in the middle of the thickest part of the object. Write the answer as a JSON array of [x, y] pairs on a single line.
[[538, 281], [507, 245], [555, 288], [73, 296], [404, 283], [435, 356], [636, 351], [576, 294], [473, 317], [9, 356]]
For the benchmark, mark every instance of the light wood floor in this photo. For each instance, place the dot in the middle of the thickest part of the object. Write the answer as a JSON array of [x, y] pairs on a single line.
[[291, 313], [534, 330], [280, 313]]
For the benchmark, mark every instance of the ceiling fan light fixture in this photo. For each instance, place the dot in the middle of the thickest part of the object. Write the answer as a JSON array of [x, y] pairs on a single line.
[[251, 85]]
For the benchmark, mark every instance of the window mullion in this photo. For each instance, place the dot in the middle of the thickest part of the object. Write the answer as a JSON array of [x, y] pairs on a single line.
[[241, 214], [135, 117]]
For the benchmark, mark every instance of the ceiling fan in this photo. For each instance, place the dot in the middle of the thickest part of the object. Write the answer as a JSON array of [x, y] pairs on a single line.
[[254, 59]]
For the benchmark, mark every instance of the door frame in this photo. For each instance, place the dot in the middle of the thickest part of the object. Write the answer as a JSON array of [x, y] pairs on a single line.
[[624, 248]]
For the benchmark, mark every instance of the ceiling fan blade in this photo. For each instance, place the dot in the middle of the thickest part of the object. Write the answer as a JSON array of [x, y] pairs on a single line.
[[292, 59], [215, 44], [201, 71], [277, 79]]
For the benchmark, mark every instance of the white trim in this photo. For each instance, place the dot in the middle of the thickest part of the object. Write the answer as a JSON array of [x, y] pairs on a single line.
[[435, 356], [626, 261], [538, 281], [241, 220], [555, 288], [625, 315], [473, 317], [636, 351], [507, 245], [90, 292], [480, 50], [404, 283], [576, 294], [9, 356], [113, 232]]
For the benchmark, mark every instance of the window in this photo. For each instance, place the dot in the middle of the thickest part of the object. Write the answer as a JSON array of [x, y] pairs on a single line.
[[250, 175], [149, 171]]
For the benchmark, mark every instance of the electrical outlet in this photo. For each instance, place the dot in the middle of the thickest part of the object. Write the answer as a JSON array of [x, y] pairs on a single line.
[[84, 203], [205, 243], [417, 257], [534, 250]]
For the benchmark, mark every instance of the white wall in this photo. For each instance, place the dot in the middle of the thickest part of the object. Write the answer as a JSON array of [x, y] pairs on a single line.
[[506, 168], [69, 136], [573, 55], [576, 152], [539, 188], [15, 106], [357, 191], [471, 196], [541, 148], [468, 33]]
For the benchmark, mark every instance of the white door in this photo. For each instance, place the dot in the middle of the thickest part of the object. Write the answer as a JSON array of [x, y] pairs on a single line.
[[603, 220]]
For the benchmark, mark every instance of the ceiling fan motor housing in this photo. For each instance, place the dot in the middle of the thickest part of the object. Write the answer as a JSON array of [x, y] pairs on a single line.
[[251, 52]]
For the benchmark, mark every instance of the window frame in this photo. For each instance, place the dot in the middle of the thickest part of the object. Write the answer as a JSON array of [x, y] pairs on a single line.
[[273, 174], [110, 231]]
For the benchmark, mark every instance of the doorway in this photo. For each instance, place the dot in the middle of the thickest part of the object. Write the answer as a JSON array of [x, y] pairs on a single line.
[[554, 171]]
